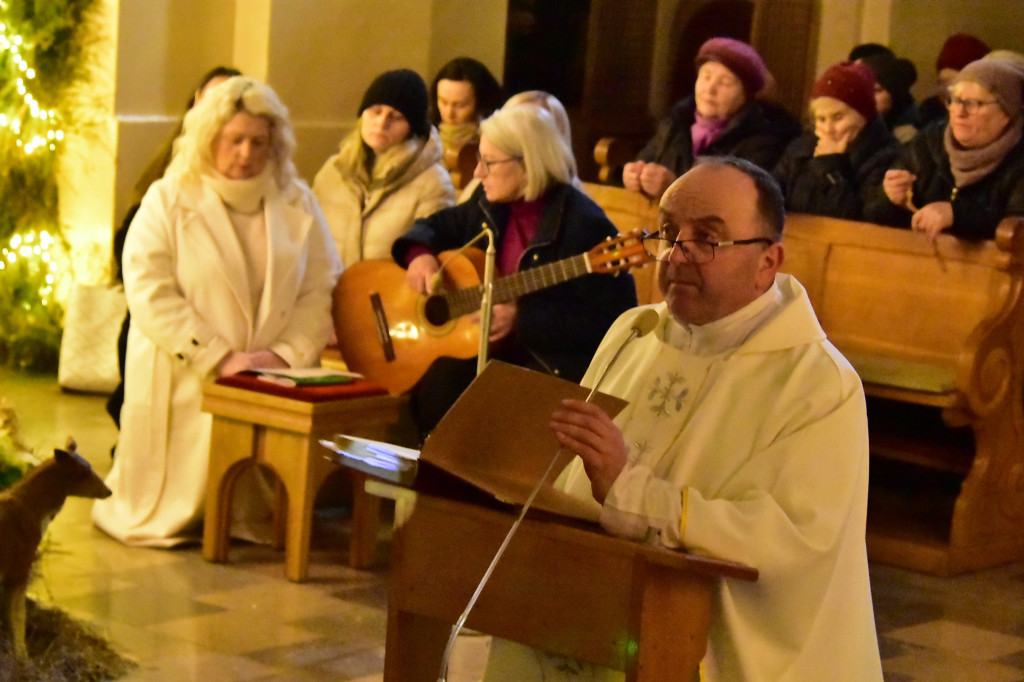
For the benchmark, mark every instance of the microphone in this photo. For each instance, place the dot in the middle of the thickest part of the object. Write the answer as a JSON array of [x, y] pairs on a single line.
[[488, 289], [644, 323], [435, 308], [486, 306], [435, 282]]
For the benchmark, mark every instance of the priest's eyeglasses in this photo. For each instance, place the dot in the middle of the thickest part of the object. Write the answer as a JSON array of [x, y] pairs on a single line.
[[696, 251]]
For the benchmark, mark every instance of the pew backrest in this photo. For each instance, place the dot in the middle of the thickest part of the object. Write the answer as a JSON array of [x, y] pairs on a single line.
[[630, 211], [916, 320]]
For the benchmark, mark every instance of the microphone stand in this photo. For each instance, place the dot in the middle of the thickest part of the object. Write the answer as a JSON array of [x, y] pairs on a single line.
[[645, 323], [485, 302]]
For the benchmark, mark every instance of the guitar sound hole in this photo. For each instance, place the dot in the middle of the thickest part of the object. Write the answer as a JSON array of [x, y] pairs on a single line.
[[436, 310]]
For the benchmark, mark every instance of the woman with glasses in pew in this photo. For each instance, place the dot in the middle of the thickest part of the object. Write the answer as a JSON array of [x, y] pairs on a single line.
[[963, 177]]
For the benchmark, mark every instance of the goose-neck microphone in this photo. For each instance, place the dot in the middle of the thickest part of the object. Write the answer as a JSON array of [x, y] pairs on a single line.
[[644, 323]]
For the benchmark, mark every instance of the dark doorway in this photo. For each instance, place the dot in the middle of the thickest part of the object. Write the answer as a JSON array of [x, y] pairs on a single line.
[[723, 19], [546, 46]]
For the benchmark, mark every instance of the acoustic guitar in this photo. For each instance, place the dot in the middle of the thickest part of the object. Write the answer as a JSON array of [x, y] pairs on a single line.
[[391, 334]]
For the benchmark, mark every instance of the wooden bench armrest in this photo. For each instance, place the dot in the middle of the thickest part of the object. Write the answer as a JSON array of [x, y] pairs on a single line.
[[990, 364], [612, 153], [461, 163]]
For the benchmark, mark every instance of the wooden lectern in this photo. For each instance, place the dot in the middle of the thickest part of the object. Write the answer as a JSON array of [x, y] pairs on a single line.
[[563, 587]]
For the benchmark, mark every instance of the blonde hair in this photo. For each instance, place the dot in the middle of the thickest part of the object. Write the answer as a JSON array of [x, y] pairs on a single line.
[[193, 150], [528, 132], [549, 103]]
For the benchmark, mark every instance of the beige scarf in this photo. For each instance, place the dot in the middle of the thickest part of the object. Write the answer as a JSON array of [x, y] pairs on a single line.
[[971, 165], [455, 135]]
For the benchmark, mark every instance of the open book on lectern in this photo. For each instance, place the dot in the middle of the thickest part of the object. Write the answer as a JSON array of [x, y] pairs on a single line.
[[495, 438]]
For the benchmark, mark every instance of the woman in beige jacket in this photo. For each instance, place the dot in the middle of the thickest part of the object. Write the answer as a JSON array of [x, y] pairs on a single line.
[[387, 172]]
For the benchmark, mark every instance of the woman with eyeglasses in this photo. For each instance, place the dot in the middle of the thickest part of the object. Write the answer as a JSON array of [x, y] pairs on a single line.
[[526, 197], [965, 176], [387, 172]]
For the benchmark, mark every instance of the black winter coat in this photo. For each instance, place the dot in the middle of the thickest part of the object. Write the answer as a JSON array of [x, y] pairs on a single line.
[[839, 185], [977, 208], [759, 132], [559, 327]]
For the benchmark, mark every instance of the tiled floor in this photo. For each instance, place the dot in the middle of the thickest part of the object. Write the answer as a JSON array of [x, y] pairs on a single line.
[[181, 618]]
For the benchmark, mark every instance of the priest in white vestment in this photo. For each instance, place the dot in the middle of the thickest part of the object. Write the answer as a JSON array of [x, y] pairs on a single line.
[[745, 438]]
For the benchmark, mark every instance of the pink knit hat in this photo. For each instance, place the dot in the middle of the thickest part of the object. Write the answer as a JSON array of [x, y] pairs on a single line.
[[738, 57], [852, 84]]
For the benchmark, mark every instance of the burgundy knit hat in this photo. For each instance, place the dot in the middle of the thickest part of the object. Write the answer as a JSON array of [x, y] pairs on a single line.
[[852, 84], [959, 50], [738, 57]]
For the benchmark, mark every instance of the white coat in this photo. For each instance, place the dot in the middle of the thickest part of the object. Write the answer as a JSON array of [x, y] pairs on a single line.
[[186, 283]]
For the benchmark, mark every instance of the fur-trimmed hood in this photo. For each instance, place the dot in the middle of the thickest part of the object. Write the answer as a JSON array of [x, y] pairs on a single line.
[[397, 166]]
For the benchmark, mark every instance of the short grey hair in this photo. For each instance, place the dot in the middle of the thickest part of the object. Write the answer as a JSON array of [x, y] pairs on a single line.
[[529, 133], [771, 206], [193, 153]]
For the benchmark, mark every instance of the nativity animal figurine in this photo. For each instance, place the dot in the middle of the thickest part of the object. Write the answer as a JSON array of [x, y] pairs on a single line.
[[26, 509]]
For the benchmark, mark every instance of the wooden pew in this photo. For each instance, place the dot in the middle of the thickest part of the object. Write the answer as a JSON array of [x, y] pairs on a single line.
[[937, 336], [630, 211], [612, 153]]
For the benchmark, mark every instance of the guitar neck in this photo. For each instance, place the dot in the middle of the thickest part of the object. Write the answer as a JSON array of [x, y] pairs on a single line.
[[464, 301]]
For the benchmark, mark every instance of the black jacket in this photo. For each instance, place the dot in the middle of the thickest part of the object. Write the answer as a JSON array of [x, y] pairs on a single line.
[[759, 132], [561, 326], [839, 185], [977, 208]]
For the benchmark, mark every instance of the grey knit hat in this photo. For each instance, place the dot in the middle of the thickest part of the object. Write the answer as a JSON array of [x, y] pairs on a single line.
[[1002, 78]]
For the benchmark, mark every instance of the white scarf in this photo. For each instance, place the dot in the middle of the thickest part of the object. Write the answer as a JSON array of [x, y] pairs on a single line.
[[242, 196]]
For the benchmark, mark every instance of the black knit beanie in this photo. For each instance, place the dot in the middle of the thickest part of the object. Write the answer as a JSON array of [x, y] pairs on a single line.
[[403, 90]]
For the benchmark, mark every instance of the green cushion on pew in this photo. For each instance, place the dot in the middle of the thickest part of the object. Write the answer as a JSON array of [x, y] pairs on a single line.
[[927, 377]]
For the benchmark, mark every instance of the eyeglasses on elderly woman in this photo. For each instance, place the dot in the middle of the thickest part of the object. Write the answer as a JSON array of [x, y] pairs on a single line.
[[970, 106]]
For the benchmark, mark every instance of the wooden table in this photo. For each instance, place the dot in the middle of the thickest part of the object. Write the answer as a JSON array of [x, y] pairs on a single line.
[[282, 434], [574, 591]]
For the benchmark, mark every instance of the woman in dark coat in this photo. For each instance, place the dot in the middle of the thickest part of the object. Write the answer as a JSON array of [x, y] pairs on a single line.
[[837, 170], [965, 176], [526, 197], [723, 118]]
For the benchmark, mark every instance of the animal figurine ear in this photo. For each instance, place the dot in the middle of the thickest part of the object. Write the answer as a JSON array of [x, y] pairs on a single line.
[[68, 454]]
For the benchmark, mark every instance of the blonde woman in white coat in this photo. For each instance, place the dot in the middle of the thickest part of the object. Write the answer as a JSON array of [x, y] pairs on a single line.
[[228, 266], [388, 171]]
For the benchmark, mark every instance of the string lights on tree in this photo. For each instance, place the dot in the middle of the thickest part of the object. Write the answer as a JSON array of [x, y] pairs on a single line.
[[41, 58]]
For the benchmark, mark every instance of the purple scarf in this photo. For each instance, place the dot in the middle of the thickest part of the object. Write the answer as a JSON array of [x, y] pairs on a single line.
[[704, 131]]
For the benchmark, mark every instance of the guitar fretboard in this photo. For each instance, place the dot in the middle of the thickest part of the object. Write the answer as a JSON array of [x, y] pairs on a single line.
[[465, 301]]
